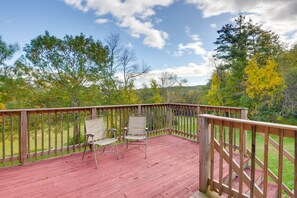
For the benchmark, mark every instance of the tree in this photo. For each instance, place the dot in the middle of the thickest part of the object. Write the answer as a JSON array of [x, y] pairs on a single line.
[[236, 44], [71, 63], [122, 70], [6, 52], [264, 86], [287, 62], [168, 81], [156, 93], [214, 94]]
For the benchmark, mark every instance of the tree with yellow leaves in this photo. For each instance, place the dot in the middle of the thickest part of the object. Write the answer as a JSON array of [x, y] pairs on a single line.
[[264, 85]]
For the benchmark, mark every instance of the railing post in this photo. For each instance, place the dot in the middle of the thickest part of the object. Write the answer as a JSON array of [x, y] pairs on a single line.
[[170, 119], [93, 112], [243, 115], [23, 137], [198, 123], [203, 154]]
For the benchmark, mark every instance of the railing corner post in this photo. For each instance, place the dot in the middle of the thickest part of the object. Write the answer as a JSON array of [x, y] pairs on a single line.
[[244, 115], [203, 154], [23, 137]]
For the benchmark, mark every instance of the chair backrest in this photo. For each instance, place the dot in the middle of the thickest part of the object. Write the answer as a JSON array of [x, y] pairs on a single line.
[[137, 125], [96, 127]]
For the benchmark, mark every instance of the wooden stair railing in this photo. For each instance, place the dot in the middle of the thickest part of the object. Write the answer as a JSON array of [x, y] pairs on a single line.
[[246, 178]]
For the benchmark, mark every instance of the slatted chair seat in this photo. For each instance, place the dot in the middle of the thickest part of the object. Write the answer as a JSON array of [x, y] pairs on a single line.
[[133, 137], [105, 142], [96, 134]]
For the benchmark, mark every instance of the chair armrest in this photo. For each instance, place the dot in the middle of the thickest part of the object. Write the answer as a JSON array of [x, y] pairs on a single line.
[[113, 130], [89, 135], [125, 131]]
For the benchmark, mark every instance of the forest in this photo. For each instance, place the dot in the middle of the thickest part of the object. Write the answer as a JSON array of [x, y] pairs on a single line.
[[253, 69]]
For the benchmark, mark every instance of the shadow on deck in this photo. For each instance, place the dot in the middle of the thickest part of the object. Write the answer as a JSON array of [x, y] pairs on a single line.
[[170, 170]]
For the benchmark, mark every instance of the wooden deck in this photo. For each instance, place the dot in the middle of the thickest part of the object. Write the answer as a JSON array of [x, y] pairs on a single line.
[[171, 170]]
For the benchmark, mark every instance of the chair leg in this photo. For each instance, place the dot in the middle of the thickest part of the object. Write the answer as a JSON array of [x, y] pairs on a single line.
[[103, 149], [116, 147], [94, 148], [85, 147], [145, 147], [123, 151]]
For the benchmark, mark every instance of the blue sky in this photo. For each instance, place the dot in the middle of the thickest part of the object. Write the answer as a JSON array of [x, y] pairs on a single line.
[[170, 36]]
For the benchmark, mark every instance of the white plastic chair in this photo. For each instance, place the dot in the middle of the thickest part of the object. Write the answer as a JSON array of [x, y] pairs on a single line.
[[96, 134], [136, 132]]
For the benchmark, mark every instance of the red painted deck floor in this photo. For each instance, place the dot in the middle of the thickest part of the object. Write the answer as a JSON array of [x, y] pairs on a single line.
[[170, 170]]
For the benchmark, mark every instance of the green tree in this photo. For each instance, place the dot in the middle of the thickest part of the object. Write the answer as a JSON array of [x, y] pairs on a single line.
[[287, 63], [264, 86], [156, 93], [72, 63], [237, 42]]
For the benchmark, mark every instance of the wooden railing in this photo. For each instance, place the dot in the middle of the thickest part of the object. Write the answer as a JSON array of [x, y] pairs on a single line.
[[241, 174], [33, 134]]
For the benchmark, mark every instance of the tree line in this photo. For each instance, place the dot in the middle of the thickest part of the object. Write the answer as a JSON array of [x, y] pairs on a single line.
[[79, 71], [254, 69]]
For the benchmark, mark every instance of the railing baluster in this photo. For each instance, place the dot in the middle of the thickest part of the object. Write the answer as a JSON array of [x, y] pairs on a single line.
[[49, 133], [241, 153], [230, 161], [68, 131], [62, 132], [11, 139], [212, 154], [3, 139], [253, 161], [265, 170], [295, 163], [35, 135], [23, 136], [28, 136], [221, 158], [42, 134], [280, 162], [56, 133]]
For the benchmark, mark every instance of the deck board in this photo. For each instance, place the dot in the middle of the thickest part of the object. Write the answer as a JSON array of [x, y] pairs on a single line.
[[170, 170]]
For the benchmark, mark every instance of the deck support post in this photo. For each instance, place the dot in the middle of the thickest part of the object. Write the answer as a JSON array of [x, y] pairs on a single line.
[[243, 115], [203, 154], [23, 137]]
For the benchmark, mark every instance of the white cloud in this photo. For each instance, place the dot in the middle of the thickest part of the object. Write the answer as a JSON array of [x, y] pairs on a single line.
[[77, 4], [213, 25], [277, 15], [194, 46], [133, 15], [102, 21], [130, 45], [200, 72]]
